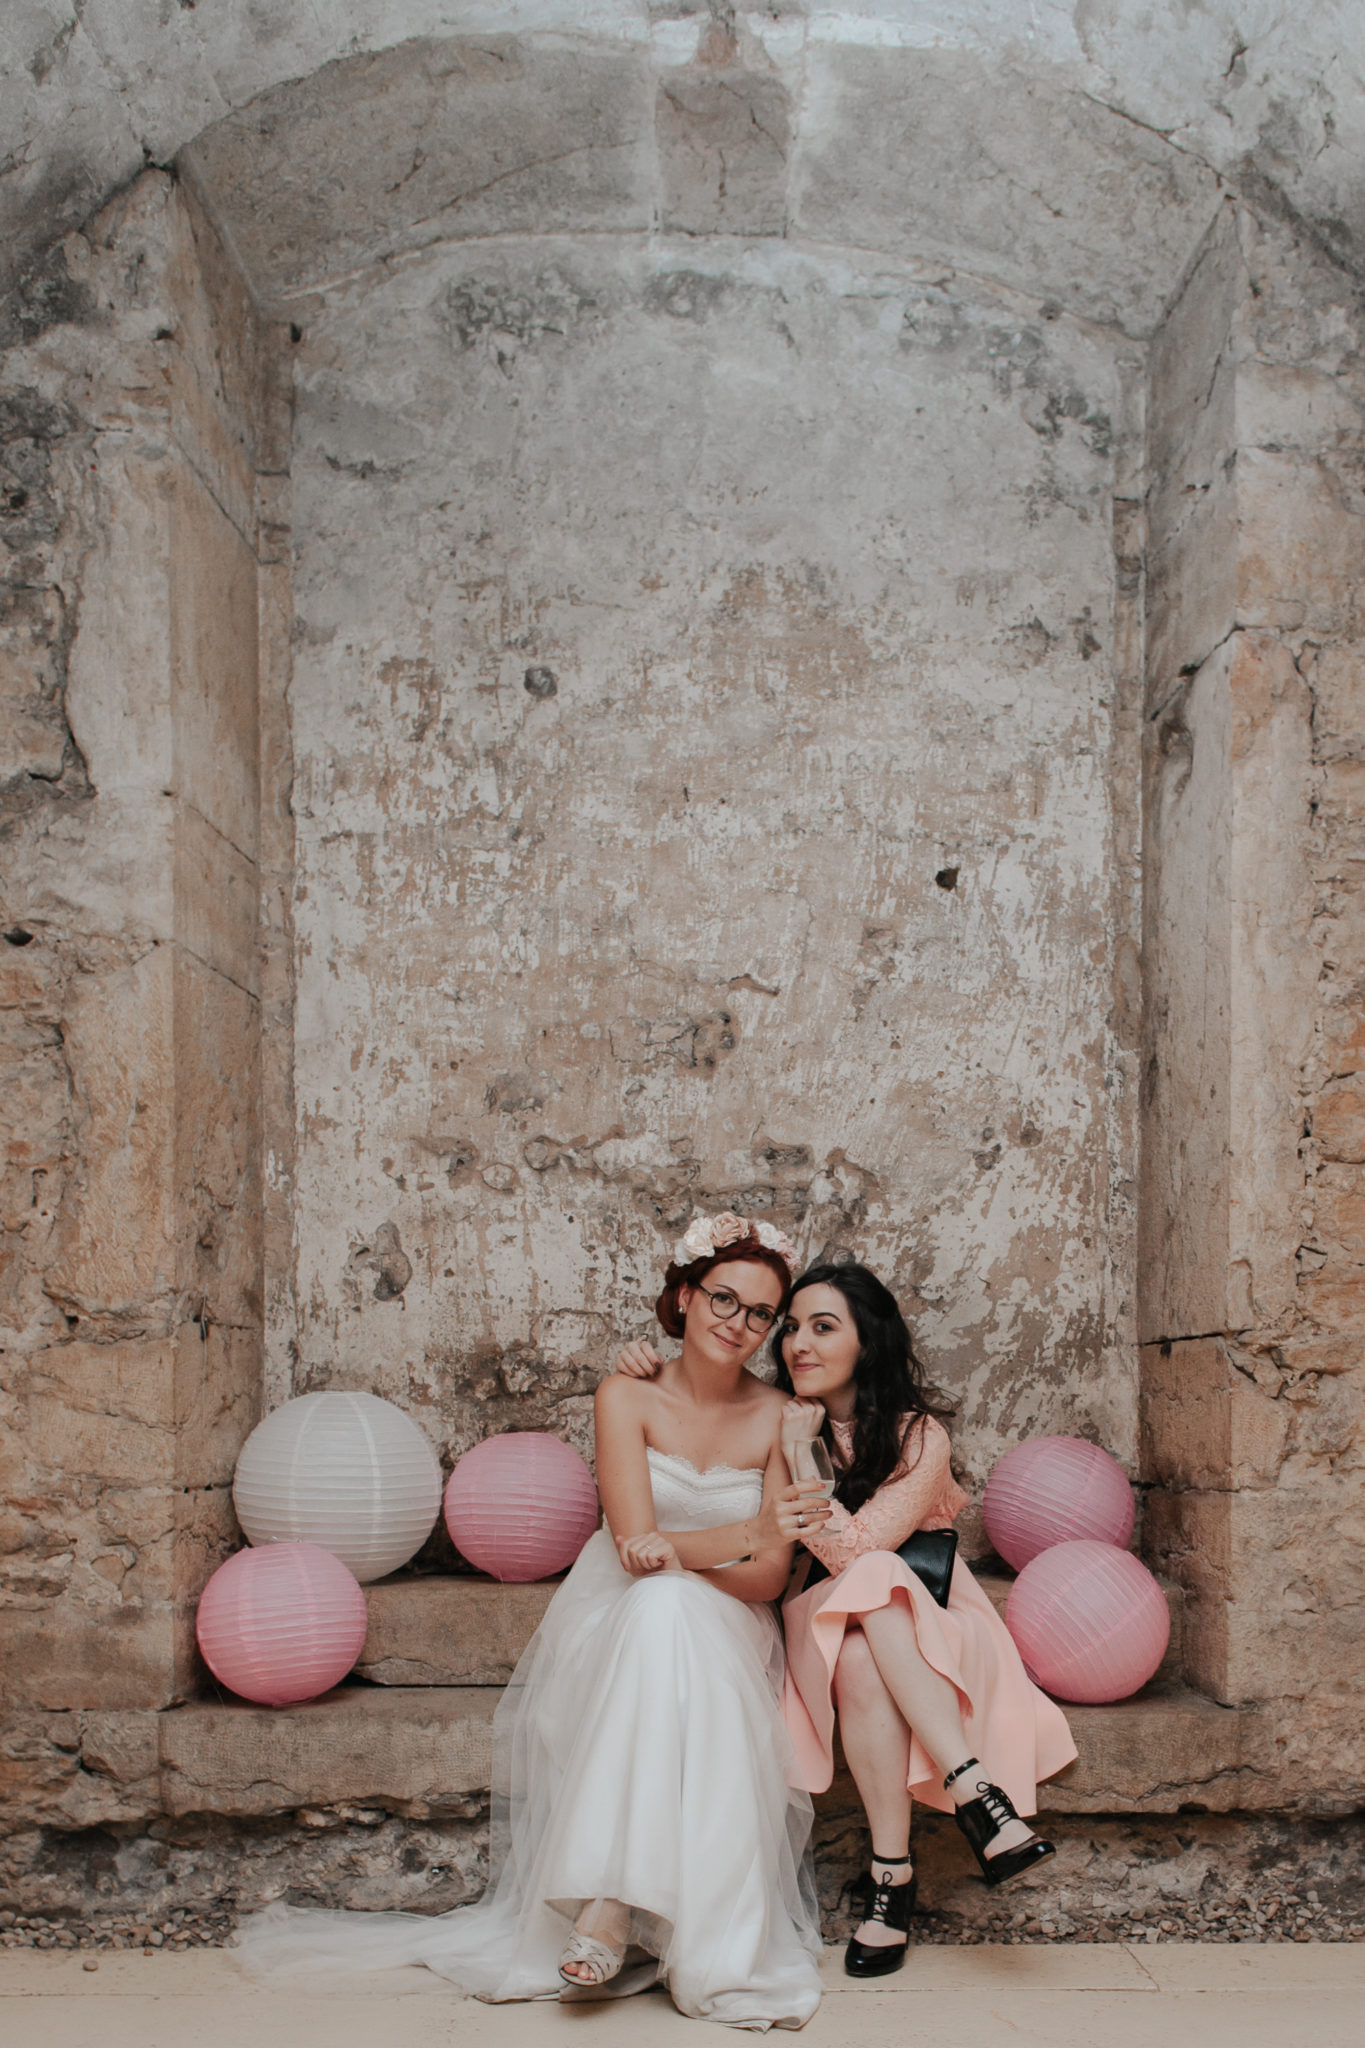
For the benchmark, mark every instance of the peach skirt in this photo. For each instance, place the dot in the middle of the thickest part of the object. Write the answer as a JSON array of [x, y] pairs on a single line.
[[1019, 1734]]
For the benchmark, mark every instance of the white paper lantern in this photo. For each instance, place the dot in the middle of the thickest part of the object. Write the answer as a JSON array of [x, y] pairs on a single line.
[[348, 1472]]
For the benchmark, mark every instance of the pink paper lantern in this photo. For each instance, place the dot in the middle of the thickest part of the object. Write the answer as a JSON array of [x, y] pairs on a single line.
[[282, 1623], [1056, 1489], [1090, 1622], [521, 1506]]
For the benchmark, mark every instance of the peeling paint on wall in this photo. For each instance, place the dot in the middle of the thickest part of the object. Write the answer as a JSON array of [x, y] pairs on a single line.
[[792, 894]]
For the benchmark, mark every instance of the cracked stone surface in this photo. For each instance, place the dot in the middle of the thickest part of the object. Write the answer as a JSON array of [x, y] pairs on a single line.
[[130, 1302], [1254, 1372], [570, 966]]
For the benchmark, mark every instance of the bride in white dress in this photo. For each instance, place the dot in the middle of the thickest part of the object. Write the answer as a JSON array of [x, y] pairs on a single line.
[[643, 1826]]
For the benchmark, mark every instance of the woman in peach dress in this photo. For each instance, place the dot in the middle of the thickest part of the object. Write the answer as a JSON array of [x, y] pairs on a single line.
[[933, 1701]]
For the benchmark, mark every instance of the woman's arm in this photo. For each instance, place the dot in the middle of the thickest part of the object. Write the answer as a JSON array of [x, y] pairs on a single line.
[[765, 1575], [623, 1478], [896, 1509], [773, 1529]]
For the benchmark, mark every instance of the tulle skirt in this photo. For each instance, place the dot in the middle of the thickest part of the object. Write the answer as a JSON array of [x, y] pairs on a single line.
[[640, 1754], [1020, 1735]]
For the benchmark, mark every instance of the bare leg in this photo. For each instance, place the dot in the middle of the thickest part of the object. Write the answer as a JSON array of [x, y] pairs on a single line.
[[928, 1703], [877, 1748]]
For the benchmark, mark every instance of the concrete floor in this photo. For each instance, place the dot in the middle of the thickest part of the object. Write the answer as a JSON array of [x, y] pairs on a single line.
[[1167, 1995]]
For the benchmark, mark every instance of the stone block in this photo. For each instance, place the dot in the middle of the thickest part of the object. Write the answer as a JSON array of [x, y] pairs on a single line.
[[932, 153], [213, 626], [1336, 674], [1272, 1611], [431, 141], [213, 358], [1299, 543], [78, 1770], [217, 1137], [1285, 406], [1191, 366], [72, 1656], [1168, 1749], [32, 727], [118, 691], [1339, 1209], [448, 1631], [723, 138], [75, 1442], [1339, 1122], [1275, 974], [128, 1382], [204, 1533], [1341, 793], [217, 1400], [1335, 1296], [115, 1236], [1183, 1214], [419, 1751], [1230, 996], [1205, 1424], [1192, 585], [35, 1108], [217, 892]]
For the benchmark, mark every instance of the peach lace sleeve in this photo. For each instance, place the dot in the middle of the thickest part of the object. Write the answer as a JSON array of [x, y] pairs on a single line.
[[896, 1509]]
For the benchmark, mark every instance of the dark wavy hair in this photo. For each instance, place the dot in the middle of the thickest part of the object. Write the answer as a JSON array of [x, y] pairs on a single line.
[[668, 1308], [888, 1379]]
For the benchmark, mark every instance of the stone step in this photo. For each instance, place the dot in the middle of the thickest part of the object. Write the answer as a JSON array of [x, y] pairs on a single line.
[[471, 1631], [425, 1751], [449, 1631]]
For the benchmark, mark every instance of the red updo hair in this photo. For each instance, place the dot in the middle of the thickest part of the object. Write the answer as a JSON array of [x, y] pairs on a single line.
[[668, 1308]]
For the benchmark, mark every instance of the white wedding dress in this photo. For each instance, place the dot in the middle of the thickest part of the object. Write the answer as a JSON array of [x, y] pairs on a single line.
[[639, 1754]]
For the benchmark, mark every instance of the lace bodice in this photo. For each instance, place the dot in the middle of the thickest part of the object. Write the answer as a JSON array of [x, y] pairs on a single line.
[[926, 1496], [685, 1498]]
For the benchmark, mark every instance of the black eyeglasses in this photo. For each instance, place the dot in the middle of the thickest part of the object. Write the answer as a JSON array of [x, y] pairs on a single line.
[[727, 1305]]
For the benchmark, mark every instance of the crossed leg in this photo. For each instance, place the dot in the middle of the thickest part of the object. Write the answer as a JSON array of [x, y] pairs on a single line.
[[884, 1687]]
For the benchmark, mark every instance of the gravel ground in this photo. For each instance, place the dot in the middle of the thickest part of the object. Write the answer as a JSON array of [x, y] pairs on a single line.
[[1259, 1911], [114, 1930]]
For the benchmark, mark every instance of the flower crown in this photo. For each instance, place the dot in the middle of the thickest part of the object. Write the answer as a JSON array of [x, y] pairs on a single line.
[[707, 1235]]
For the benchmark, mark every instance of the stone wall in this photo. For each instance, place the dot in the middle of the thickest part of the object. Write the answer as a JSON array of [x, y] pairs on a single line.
[[1251, 1256], [712, 760], [136, 414]]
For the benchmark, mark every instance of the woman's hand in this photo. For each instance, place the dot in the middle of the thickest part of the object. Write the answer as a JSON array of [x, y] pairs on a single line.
[[642, 1556], [639, 1361], [801, 1422], [789, 1516]]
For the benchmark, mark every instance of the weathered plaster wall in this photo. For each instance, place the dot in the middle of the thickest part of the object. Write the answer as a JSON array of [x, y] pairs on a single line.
[[705, 721], [130, 1344], [1009, 99], [1251, 1253]]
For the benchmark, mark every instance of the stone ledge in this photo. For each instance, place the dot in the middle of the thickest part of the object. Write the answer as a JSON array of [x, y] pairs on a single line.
[[425, 1751], [468, 1631], [449, 1631], [416, 1750]]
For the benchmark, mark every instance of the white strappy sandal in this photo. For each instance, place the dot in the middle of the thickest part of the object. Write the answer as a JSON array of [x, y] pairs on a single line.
[[599, 1957]]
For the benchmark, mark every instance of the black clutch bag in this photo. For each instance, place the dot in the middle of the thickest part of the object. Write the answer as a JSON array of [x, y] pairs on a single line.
[[929, 1553]]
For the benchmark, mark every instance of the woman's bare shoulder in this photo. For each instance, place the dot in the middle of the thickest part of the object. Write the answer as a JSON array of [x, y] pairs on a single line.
[[620, 1395], [768, 1403]]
